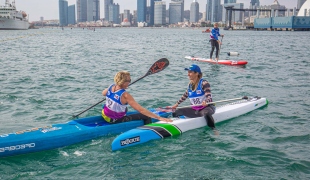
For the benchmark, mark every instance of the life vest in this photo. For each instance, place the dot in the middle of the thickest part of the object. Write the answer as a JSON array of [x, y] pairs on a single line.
[[215, 33], [113, 107], [197, 96]]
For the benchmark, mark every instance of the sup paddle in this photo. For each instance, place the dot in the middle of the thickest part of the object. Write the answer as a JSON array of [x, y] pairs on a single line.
[[158, 66], [169, 109], [220, 49]]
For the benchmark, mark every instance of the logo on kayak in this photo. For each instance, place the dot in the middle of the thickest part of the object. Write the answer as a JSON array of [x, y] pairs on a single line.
[[234, 62], [130, 141], [17, 147], [51, 129]]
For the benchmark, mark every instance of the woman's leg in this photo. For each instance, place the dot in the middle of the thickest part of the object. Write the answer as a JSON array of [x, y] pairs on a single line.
[[187, 111], [207, 113], [217, 49], [133, 117], [212, 47]]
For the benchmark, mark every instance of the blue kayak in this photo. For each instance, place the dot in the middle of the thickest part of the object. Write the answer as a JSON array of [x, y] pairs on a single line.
[[60, 135]]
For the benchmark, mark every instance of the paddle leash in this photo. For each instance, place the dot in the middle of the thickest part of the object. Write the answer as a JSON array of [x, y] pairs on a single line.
[[158, 66], [197, 52]]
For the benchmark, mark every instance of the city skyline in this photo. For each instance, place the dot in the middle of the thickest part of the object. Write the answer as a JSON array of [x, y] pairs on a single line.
[[51, 10]]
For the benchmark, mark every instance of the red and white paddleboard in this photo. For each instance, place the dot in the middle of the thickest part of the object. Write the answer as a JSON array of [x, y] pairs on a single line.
[[224, 62]]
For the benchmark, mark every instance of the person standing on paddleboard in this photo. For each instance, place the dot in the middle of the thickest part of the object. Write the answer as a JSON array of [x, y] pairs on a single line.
[[199, 94], [117, 99], [215, 42]]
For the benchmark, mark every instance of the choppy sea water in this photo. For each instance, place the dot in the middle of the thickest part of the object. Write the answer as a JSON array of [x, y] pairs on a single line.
[[47, 75]]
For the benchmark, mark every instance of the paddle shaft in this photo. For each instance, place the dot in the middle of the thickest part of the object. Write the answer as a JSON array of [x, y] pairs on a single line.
[[220, 47], [197, 52], [227, 100]]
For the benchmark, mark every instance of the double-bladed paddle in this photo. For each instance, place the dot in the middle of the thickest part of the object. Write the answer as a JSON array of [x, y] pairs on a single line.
[[158, 66]]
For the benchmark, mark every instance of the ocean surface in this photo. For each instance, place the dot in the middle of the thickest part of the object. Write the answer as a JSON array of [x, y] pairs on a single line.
[[47, 75]]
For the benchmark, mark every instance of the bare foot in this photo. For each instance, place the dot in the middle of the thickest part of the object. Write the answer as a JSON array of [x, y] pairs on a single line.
[[216, 132]]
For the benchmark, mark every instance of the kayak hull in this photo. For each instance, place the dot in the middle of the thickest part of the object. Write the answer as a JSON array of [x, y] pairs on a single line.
[[160, 130], [60, 135], [222, 62]]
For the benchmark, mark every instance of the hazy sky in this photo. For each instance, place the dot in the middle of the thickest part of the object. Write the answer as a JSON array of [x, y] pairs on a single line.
[[49, 8]]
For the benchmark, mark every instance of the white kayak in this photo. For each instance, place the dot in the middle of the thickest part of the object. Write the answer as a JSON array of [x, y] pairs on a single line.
[[161, 129]]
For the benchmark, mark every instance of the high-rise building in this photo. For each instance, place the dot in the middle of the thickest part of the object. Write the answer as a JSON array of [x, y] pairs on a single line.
[[214, 11], [88, 10], [78, 10], [63, 13], [127, 15], [106, 8], [151, 11], [277, 10], [81, 10], [176, 11], [160, 13], [194, 12], [254, 4], [141, 10], [300, 3], [134, 17], [114, 13], [71, 14], [93, 10], [229, 1], [236, 15]]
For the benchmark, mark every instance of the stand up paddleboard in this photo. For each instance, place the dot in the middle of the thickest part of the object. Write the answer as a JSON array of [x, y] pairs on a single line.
[[223, 62]]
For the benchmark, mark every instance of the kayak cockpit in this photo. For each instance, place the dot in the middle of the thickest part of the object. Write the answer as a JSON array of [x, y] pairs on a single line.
[[90, 121]]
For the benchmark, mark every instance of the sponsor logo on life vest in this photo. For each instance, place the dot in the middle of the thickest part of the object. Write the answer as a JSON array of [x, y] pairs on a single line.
[[130, 141], [198, 92], [116, 96], [17, 147]]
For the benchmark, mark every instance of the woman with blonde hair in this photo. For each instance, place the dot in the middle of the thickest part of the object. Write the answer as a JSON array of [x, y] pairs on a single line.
[[117, 99], [199, 94]]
